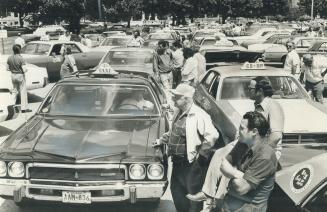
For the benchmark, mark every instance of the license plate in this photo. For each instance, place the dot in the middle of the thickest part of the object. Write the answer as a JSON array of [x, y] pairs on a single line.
[[76, 197]]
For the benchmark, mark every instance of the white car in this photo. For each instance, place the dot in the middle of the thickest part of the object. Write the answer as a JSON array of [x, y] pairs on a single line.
[[36, 77]]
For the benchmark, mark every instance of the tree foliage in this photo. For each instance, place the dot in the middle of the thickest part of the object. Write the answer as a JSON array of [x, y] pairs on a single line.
[[320, 7]]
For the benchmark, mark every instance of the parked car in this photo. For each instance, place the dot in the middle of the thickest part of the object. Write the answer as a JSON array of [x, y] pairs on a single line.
[[222, 55], [269, 43], [129, 59], [223, 93], [209, 41], [154, 38], [278, 53], [47, 54], [86, 145], [266, 37]]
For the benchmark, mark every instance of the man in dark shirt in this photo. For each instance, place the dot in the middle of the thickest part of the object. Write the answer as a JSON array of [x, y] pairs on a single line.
[[16, 65], [253, 178]]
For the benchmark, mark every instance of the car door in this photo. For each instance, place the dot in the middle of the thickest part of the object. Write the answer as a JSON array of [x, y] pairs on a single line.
[[206, 97]]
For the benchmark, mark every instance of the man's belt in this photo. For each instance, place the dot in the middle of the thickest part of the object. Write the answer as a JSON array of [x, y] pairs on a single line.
[[315, 83]]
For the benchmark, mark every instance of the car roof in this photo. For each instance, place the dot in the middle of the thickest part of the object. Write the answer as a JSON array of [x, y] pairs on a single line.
[[54, 42], [235, 70], [132, 49], [213, 47]]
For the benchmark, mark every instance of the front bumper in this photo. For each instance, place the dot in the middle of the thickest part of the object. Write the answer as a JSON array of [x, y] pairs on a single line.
[[128, 191]]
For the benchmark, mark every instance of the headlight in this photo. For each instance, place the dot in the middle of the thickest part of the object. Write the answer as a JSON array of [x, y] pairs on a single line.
[[137, 171], [155, 171], [3, 169], [16, 169]]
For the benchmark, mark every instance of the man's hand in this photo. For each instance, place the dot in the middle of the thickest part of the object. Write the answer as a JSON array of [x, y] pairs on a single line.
[[157, 143]]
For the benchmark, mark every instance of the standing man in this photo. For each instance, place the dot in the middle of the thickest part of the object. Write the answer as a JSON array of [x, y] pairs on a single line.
[[86, 41], [65, 37], [201, 62], [178, 59], [20, 41], [292, 61], [191, 136], [190, 68], [253, 178], [16, 65], [163, 65], [314, 77], [137, 40]]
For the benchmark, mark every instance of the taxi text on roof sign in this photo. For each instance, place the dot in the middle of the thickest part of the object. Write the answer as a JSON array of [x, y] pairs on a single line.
[[105, 69], [253, 66]]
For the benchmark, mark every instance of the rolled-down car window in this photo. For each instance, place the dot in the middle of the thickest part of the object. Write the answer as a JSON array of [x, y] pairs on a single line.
[[283, 88], [101, 100], [129, 58], [36, 49]]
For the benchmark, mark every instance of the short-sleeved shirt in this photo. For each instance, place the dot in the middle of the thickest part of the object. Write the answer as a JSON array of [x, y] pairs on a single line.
[[163, 63], [190, 70], [259, 166], [313, 73], [274, 114], [292, 63], [15, 64]]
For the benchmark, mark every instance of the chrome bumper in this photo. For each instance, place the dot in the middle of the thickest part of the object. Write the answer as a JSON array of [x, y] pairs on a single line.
[[132, 191]]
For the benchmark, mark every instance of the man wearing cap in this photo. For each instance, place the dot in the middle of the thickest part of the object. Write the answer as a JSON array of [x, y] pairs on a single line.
[[314, 77], [20, 41], [292, 61], [189, 142]]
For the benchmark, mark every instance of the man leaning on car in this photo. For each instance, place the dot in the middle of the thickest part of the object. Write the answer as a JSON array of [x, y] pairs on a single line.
[[191, 137], [253, 178]]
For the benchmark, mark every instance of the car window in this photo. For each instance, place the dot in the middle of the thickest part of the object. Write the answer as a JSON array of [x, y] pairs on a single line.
[[56, 49], [101, 100], [75, 49], [129, 58], [36, 49], [207, 80], [318, 202], [115, 41], [208, 42], [323, 47], [214, 86], [283, 88]]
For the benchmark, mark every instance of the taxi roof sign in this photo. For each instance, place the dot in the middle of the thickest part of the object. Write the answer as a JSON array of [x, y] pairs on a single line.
[[253, 66], [105, 69]]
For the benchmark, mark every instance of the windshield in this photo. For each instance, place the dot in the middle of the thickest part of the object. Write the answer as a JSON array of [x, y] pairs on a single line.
[[158, 36], [318, 202], [115, 41], [235, 88], [209, 42], [204, 34], [36, 49], [129, 58], [100, 100]]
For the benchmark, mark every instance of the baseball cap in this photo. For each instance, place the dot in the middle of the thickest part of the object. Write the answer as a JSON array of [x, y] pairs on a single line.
[[183, 90]]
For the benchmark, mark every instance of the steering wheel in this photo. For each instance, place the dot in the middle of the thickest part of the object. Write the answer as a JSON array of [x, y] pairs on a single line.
[[123, 107]]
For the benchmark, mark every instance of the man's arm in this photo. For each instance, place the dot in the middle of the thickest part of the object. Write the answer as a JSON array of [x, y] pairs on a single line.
[[296, 65], [207, 130], [229, 171], [276, 121]]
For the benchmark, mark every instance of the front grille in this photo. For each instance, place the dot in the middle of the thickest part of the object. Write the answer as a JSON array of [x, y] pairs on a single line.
[[78, 173], [304, 138]]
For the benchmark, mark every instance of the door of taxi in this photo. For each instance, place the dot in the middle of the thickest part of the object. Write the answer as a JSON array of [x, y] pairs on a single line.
[[206, 97]]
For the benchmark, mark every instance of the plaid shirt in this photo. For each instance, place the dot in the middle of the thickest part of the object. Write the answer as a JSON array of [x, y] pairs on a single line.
[[177, 141]]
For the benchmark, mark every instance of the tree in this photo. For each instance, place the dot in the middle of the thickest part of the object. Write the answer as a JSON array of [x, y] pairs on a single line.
[[320, 7], [276, 7], [125, 9], [22, 7]]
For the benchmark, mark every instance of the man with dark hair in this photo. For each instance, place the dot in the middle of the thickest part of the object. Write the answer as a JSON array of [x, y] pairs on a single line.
[[292, 62], [137, 40], [252, 178], [178, 59], [189, 70], [163, 65], [261, 91], [16, 65]]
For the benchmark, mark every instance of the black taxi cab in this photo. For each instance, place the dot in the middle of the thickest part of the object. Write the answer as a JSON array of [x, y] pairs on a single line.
[[90, 141]]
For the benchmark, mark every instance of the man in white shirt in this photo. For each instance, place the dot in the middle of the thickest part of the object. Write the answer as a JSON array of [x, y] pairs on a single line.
[[65, 37], [20, 41], [292, 61], [190, 68], [201, 62], [137, 40], [314, 77], [86, 41], [178, 62]]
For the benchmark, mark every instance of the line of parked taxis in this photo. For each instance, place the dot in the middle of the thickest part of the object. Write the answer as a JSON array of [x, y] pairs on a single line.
[[85, 145]]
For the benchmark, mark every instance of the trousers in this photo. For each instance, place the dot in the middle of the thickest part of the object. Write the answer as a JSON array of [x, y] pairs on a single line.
[[317, 90], [187, 178], [19, 83]]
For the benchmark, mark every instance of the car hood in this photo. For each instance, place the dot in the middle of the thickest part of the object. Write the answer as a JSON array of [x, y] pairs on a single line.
[[300, 180], [84, 139], [299, 115]]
